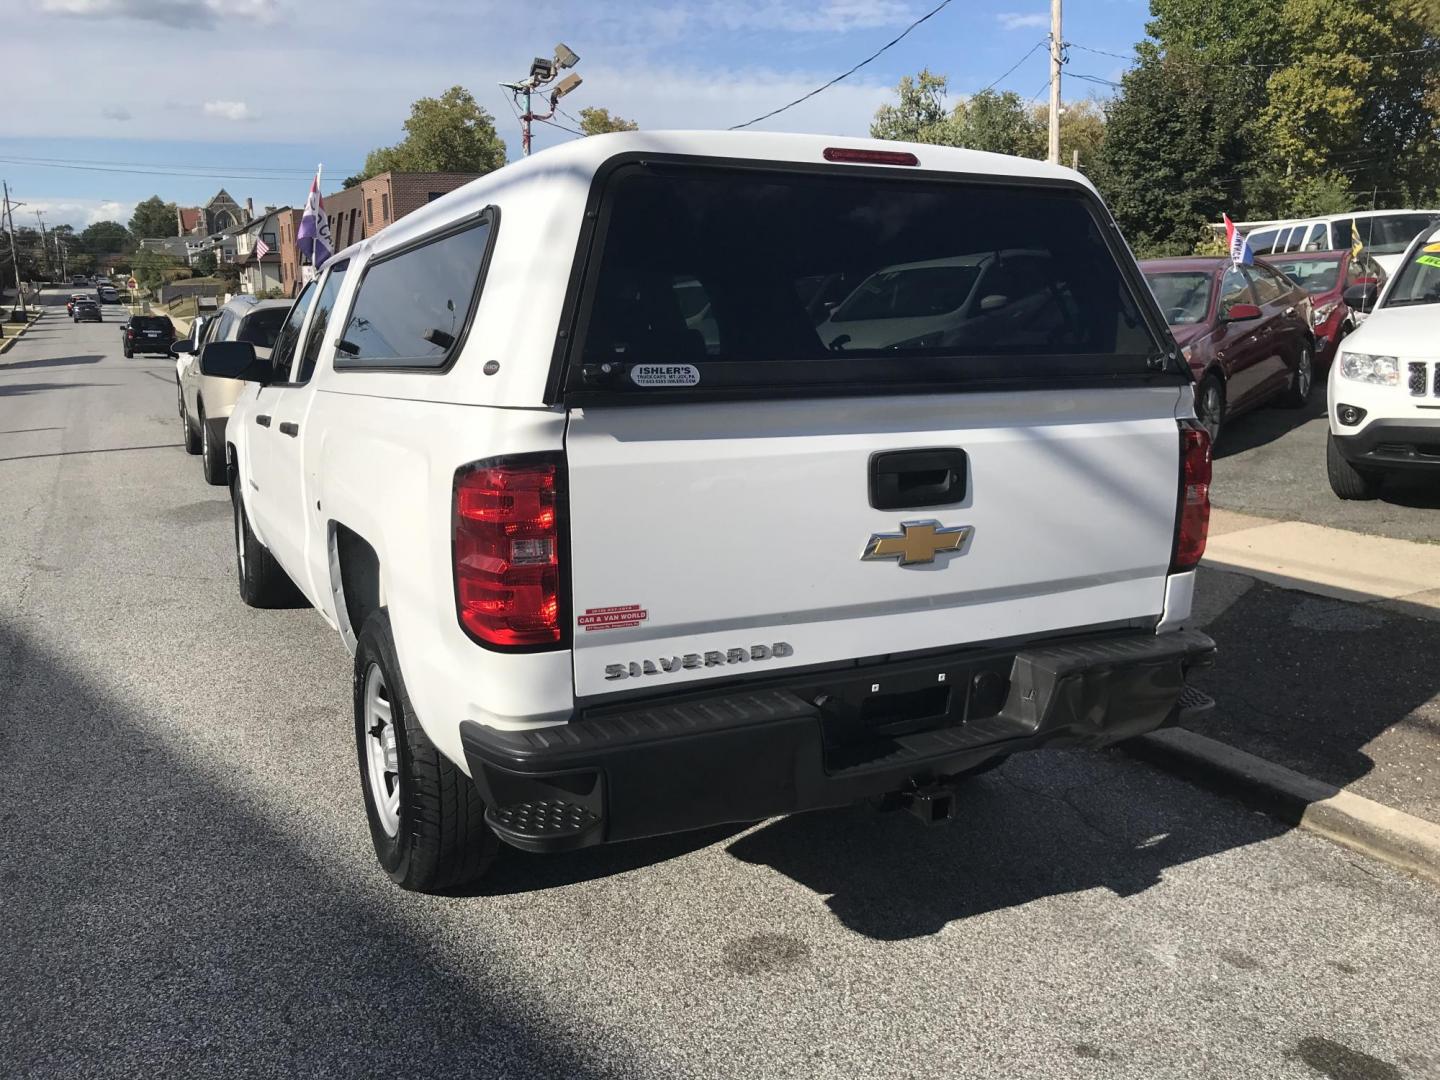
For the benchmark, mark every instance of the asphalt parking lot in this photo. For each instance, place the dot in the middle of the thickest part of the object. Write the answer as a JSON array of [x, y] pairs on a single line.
[[189, 887], [1271, 462]]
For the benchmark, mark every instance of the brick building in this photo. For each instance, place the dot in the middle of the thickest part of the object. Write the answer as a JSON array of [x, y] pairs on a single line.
[[366, 208]]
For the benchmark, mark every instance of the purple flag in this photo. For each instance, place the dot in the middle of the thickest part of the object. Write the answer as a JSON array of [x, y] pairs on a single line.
[[313, 236]]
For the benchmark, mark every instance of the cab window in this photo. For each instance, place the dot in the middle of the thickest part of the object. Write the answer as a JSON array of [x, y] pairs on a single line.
[[284, 351], [1262, 243], [324, 308]]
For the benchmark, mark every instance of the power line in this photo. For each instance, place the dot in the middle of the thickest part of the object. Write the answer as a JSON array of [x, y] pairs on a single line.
[[284, 171], [1263, 67], [846, 74], [562, 127], [149, 172], [997, 82]]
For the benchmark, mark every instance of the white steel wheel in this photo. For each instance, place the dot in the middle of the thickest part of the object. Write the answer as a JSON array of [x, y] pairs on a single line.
[[382, 758]]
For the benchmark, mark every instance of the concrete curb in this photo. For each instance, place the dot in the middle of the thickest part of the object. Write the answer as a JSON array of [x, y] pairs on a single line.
[[10, 338], [1402, 840]]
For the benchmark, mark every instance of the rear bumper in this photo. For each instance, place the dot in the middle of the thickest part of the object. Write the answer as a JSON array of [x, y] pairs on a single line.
[[1393, 444], [806, 743]]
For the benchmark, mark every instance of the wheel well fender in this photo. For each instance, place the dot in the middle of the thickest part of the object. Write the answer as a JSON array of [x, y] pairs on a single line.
[[354, 581]]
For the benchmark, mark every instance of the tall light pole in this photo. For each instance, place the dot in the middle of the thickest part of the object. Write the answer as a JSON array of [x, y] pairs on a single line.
[[45, 243], [1055, 61], [543, 71]]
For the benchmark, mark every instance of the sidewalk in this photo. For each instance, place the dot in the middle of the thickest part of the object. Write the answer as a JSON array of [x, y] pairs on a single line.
[[1328, 665]]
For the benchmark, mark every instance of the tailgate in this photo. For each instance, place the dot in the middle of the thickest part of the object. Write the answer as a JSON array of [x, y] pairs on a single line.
[[726, 538]]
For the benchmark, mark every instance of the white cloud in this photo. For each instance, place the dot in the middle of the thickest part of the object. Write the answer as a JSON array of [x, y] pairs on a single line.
[[80, 212], [831, 15], [115, 112], [181, 14], [229, 110], [1013, 20]]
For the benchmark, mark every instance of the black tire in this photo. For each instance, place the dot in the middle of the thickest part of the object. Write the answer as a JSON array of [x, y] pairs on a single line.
[[1347, 481], [262, 583], [1302, 380], [191, 436], [129, 353], [212, 450], [1210, 405], [440, 839]]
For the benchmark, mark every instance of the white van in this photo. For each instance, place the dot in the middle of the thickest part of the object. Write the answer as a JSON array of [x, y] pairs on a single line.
[[1385, 234]]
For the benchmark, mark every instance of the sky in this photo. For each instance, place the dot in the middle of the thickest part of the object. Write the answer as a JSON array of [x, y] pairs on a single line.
[[122, 99]]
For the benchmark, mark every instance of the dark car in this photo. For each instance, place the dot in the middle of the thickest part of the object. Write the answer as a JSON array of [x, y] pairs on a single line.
[[1326, 275], [1245, 331], [75, 298], [86, 311], [149, 334]]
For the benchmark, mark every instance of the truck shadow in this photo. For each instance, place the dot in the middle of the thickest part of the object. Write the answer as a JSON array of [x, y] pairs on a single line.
[[181, 922], [1267, 424], [52, 362]]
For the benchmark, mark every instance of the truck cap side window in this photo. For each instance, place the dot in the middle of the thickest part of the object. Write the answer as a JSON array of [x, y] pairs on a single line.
[[324, 305], [284, 351], [796, 278], [412, 307]]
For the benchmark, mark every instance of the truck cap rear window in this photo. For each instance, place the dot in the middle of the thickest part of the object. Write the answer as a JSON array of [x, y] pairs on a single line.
[[706, 277]]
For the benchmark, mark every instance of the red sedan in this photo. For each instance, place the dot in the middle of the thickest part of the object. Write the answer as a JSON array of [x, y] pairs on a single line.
[[1325, 275], [1245, 331]]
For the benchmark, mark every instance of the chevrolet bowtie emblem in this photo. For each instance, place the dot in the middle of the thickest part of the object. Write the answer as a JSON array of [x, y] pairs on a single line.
[[916, 542]]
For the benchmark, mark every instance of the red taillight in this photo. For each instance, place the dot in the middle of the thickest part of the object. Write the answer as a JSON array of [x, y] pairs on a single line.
[[1193, 524], [870, 157], [506, 541]]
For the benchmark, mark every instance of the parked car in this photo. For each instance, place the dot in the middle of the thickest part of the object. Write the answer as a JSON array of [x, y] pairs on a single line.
[[86, 311], [74, 299], [77, 280], [1385, 384], [964, 300], [205, 403], [604, 578], [1244, 330], [148, 334], [1384, 234], [1326, 275]]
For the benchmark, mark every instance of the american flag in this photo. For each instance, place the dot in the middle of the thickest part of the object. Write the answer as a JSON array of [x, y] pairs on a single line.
[[261, 248]]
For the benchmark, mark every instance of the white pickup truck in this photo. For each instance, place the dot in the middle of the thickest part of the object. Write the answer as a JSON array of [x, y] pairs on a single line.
[[623, 544]]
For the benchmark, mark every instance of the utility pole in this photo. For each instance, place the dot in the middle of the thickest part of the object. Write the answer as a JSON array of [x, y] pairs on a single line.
[[45, 245], [14, 258], [543, 72], [1055, 62]]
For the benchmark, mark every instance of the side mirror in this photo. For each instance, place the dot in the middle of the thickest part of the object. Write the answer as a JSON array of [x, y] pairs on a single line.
[[993, 302], [1242, 313], [183, 347], [233, 360], [1362, 298]]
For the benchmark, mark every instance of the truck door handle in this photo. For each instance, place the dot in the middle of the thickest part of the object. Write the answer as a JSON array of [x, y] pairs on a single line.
[[913, 479], [262, 420], [287, 428]]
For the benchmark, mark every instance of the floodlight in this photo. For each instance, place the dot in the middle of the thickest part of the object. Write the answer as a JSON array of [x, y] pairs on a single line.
[[565, 85], [542, 70], [565, 56]]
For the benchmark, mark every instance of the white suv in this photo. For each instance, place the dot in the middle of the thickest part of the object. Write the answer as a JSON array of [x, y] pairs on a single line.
[[616, 559], [1385, 383]]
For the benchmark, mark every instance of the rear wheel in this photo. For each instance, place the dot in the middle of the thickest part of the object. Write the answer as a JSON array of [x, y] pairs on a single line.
[[212, 450], [190, 435], [263, 584], [1210, 405], [427, 820], [1302, 380], [129, 353], [1347, 481]]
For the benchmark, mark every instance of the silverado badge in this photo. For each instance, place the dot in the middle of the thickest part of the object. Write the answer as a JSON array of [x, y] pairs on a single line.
[[916, 542]]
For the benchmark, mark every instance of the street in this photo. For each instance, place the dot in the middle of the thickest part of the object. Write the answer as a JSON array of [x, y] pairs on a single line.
[[189, 885]]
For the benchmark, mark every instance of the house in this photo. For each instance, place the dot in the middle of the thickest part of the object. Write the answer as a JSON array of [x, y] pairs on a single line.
[[175, 247], [264, 271], [220, 213], [366, 208]]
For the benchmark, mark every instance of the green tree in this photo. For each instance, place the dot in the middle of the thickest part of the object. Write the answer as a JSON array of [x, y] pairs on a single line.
[[154, 218], [1082, 130], [149, 268], [106, 238], [204, 264], [919, 115], [451, 133], [597, 121], [998, 122]]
